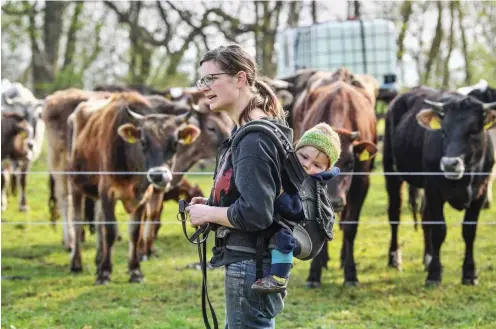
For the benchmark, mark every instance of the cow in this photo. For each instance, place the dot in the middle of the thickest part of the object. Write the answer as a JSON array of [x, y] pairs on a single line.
[[122, 139], [17, 145], [441, 132], [56, 111], [183, 191], [348, 106], [485, 94], [215, 129], [18, 99]]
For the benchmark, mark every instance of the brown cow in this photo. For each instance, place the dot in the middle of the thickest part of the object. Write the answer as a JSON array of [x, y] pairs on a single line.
[[148, 233], [124, 137], [17, 145], [215, 129], [57, 109], [347, 106], [183, 191]]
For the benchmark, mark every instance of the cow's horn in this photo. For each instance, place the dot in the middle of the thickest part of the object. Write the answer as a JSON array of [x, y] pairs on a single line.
[[183, 117], [487, 106], [134, 114], [436, 105], [7, 99]]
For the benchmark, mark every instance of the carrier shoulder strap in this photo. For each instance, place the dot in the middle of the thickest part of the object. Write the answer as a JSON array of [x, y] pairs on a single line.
[[290, 162]]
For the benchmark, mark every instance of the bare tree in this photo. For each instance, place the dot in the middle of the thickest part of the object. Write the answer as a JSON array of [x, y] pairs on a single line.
[[436, 43], [468, 70], [446, 71]]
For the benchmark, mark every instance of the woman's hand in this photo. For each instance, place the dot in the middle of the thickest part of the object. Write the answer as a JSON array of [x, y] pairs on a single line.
[[198, 200], [198, 213]]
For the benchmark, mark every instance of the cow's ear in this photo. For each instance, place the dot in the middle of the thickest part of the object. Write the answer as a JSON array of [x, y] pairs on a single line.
[[129, 133], [187, 134], [365, 150], [429, 119], [490, 120]]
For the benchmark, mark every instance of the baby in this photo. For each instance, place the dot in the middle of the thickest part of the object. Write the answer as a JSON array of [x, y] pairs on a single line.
[[317, 151]]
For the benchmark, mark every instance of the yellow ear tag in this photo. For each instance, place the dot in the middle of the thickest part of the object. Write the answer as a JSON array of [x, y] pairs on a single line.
[[435, 123], [188, 139], [364, 156], [23, 134], [131, 139], [488, 125]]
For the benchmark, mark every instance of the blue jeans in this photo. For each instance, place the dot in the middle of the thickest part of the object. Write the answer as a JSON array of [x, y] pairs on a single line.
[[245, 308]]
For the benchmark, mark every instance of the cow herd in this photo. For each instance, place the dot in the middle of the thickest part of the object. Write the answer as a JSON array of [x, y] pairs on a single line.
[[120, 144]]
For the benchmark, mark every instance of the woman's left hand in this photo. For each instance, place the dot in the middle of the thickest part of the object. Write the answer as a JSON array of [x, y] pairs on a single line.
[[198, 214]]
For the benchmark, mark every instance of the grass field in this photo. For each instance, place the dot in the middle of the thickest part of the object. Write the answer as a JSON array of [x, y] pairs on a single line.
[[49, 296]]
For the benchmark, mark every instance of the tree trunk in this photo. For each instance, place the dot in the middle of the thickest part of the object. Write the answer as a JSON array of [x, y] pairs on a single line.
[[53, 24], [70, 47], [294, 13], [406, 12], [314, 12], [436, 43], [446, 71], [468, 69], [357, 8]]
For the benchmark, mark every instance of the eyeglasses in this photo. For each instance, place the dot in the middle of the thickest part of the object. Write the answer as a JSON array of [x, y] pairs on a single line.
[[208, 80]]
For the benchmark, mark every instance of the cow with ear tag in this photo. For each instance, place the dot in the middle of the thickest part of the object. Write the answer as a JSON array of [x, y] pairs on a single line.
[[444, 134], [348, 107], [123, 139]]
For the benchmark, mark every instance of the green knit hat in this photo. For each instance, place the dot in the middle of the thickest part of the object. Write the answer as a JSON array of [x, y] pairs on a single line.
[[323, 138]]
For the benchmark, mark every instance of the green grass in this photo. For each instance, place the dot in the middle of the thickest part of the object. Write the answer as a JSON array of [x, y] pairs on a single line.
[[51, 297]]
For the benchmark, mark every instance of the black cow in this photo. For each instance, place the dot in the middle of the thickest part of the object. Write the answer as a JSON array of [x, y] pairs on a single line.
[[428, 130]]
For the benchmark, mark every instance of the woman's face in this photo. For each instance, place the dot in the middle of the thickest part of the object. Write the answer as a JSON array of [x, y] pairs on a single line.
[[221, 90]]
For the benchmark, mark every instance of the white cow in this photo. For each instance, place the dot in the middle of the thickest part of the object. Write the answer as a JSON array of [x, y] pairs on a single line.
[[18, 99]]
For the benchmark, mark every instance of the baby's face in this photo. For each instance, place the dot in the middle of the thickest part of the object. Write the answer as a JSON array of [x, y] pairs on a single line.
[[312, 160]]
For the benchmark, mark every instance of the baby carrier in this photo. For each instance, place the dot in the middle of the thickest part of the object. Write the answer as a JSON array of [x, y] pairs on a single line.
[[311, 232]]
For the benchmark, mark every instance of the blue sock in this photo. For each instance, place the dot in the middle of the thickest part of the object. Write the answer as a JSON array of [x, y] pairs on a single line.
[[281, 263]]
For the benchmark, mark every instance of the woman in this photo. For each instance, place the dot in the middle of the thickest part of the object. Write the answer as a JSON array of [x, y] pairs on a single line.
[[246, 183]]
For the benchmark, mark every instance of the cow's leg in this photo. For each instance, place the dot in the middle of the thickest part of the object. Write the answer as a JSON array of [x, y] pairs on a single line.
[[355, 197], [469, 275], [413, 196], [23, 206], [393, 187], [151, 230], [13, 184], [6, 177], [315, 275], [489, 193], [427, 240], [136, 276], [89, 213], [433, 213], [52, 201], [107, 231], [64, 201], [99, 232], [77, 216]]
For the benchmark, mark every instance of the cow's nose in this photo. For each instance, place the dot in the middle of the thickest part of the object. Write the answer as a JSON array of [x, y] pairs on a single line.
[[451, 163], [160, 177], [30, 145]]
